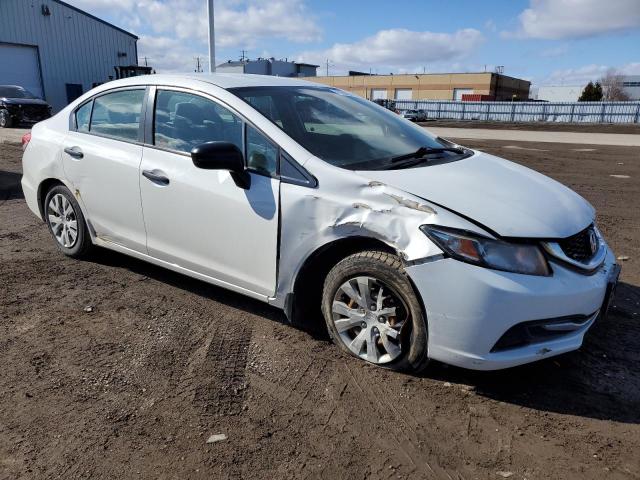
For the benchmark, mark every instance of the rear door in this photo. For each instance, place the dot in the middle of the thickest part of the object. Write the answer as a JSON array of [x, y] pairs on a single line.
[[101, 158], [200, 219]]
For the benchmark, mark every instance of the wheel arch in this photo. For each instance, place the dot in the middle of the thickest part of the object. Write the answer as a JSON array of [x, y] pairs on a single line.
[[43, 188], [303, 304]]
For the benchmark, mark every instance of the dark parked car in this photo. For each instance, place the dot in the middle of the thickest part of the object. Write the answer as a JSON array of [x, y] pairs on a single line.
[[19, 106]]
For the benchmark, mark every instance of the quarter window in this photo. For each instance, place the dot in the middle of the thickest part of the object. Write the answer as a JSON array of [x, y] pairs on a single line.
[[117, 114], [183, 121], [262, 155], [83, 115]]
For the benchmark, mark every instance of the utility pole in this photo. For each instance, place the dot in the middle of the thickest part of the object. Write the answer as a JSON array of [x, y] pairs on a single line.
[[328, 66], [146, 64], [198, 65], [243, 57], [212, 41]]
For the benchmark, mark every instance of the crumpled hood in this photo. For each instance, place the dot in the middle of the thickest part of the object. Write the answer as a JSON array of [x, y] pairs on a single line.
[[22, 101], [509, 199]]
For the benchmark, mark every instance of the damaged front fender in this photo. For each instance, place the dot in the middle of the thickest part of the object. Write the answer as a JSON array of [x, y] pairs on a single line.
[[347, 204]]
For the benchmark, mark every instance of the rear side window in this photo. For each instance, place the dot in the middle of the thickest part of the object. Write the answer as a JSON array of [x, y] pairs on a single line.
[[83, 115], [117, 114], [183, 121]]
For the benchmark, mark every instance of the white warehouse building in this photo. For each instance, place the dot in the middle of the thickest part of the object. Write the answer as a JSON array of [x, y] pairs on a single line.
[[58, 51]]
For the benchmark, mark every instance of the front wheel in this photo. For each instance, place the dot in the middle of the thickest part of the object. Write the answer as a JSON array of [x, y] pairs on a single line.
[[372, 312], [5, 119]]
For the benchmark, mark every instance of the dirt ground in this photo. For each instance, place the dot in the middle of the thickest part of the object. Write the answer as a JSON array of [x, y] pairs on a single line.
[[629, 128], [134, 388]]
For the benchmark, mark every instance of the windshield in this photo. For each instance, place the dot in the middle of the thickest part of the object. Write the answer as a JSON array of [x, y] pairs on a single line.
[[342, 129], [15, 92]]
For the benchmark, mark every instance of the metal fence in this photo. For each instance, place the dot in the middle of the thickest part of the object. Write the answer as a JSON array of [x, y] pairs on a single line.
[[567, 112]]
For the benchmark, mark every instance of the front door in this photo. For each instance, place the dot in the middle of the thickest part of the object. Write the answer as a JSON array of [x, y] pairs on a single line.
[[101, 159], [200, 219]]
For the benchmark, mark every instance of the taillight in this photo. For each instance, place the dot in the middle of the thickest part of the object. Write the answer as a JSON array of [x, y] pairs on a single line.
[[26, 138]]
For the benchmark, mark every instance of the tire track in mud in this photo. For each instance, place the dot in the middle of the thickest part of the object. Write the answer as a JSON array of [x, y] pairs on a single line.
[[406, 438], [224, 367]]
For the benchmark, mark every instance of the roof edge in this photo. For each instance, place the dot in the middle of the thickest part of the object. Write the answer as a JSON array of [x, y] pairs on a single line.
[[79, 10]]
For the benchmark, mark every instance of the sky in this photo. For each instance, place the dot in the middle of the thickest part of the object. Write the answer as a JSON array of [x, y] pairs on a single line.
[[550, 42]]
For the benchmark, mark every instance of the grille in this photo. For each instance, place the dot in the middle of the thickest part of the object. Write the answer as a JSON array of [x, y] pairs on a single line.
[[578, 247], [34, 111]]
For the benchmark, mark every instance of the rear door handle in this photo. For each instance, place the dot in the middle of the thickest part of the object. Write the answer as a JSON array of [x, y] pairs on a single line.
[[156, 176], [75, 152]]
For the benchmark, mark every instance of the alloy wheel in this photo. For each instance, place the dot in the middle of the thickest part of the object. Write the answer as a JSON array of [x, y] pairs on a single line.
[[370, 319], [63, 220]]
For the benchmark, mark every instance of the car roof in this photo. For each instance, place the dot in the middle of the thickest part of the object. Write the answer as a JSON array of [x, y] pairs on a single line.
[[223, 80]]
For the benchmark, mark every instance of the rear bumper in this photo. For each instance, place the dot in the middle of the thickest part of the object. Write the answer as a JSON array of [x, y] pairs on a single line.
[[470, 308], [30, 191]]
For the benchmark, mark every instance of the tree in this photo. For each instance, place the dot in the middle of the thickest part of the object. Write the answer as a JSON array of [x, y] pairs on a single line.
[[591, 93], [597, 92], [612, 87], [587, 93]]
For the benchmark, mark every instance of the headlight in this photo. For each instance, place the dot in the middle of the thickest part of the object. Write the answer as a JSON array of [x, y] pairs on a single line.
[[486, 252]]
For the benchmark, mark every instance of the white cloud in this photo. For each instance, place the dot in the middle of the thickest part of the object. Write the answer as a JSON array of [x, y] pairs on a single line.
[[587, 73], [555, 19], [398, 49], [171, 55], [490, 25], [558, 51], [238, 23]]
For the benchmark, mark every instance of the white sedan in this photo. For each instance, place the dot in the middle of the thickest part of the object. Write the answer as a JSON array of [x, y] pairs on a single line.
[[325, 205]]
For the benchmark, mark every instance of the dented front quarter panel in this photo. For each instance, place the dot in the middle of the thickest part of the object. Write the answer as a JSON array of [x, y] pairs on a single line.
[[348, 204]]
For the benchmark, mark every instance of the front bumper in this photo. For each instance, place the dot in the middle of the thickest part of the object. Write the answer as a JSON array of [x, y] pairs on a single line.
[[28, 116], [469, 308]]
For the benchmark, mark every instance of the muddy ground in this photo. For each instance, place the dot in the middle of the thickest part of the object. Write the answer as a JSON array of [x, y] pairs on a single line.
[[133, 388], [628, 128]]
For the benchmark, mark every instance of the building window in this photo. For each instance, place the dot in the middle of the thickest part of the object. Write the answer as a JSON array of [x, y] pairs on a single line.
[[74, 90]]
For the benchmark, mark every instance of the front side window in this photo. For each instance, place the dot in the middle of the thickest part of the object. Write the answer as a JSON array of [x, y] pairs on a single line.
[[83, 115], [184, 121], [342, 129], [117, 114]]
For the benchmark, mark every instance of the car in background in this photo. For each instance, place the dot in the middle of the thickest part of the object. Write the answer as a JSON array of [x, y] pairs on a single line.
[[414, 115], [18, 106], [323, 204]]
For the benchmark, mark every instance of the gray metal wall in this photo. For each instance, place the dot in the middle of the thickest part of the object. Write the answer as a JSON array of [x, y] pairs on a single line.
[[72, 47], [569, 112]]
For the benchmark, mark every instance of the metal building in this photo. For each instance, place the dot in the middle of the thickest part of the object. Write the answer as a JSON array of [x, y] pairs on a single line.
[[269, 66], [57, 51]]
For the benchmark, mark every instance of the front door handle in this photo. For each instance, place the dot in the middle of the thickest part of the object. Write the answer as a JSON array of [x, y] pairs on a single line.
[[75, 152], [156, 176]]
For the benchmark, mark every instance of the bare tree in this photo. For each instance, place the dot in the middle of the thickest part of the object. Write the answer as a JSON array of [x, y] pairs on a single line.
[[612, 86]]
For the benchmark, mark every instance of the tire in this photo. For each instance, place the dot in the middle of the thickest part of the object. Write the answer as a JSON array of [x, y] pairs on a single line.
[[376, 271], [81, 245], [5, 119]]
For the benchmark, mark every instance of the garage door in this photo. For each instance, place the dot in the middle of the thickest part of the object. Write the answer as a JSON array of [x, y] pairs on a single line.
[[20, 67], [378, 94], [458, 92], [404, 94]]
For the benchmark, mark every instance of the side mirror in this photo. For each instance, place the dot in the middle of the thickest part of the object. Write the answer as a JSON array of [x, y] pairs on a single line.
[[218, 156], [222, 156]]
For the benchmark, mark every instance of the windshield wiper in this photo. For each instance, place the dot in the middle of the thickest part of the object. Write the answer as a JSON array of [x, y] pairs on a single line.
[[424, 151]]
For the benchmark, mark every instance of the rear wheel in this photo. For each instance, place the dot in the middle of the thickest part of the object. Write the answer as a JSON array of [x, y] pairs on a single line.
[[66, 222], [372, 312]]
